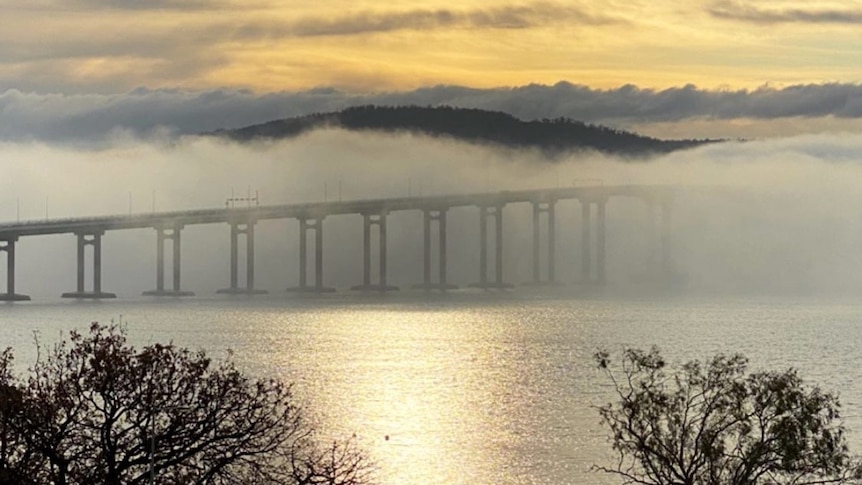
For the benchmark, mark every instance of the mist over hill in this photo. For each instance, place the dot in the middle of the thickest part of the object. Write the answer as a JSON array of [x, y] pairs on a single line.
[[552, 136]]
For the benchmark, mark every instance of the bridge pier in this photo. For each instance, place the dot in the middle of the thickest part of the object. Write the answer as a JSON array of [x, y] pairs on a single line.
[[235, 230], [162, 234], [8, 246], [429, 216], [316, 225], [666, 263], [370, 220], [486, 212], [659, 263], [90, 239], [588, 276], [540, 208]]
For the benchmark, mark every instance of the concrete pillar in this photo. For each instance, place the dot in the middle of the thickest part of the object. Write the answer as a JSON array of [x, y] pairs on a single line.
[[652, 238], [498, 226], [486, 212], [177, 267], [10, 267], [380, 221], [382, 244], [658, 237], [483, 246], [441, 230], [586, 242], [546, 208], [318, 255], [426, 248], [552, 243], [95, 240], [234, 257], [81, 245], [601, 276], [666, 265], [536, 214], [366, 251], [429, 216], [163, 235], [97, 263], [303, 261], [249, 256], [9, 248], [160, 260], [317, 225], [235, 231]]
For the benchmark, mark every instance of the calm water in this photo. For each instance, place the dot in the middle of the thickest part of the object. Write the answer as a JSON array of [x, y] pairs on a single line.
[[473, 388]]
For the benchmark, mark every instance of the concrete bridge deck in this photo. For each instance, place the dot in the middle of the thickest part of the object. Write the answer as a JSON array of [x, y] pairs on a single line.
[[323, 209], [242, 219]]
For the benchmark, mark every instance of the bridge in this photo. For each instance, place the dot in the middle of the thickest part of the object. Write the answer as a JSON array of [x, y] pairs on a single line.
[[242, 220]]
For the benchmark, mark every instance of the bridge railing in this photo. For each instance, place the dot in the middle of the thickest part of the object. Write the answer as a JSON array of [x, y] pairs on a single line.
[[312, 209]]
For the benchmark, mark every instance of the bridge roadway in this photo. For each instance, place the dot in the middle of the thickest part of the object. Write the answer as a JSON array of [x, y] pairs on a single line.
[[310, 215]]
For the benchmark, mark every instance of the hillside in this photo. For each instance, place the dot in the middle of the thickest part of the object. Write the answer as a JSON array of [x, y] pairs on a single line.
[[471, 125]]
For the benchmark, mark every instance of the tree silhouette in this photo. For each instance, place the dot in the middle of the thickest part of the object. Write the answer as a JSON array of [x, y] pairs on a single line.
[[714, 423], [94, 410]]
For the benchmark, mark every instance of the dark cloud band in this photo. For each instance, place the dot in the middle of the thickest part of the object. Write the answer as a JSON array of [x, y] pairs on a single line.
[[744, 12], [143, 112], [365, 22]]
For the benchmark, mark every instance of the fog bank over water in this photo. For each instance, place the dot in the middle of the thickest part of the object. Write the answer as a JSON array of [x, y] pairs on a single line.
[[777, 216]]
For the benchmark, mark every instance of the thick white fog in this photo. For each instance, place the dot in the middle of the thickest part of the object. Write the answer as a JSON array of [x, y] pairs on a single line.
[[775, 216]]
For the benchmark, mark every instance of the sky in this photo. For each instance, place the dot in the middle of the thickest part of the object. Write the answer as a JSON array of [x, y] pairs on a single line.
[[93, 92], [73, 69]]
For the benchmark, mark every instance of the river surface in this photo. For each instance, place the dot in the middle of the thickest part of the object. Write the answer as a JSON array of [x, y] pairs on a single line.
[[471, 387]]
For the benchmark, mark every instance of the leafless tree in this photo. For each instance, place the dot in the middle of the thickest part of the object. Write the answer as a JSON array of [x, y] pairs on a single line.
[[95, 410], [715, 423]]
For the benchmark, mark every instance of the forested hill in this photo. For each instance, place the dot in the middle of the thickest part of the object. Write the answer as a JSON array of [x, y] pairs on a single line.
[[471, 125]]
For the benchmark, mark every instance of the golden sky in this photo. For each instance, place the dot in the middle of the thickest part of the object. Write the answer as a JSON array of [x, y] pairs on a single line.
[[112, 46]]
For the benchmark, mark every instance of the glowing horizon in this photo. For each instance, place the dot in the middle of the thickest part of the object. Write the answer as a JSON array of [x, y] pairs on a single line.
[[110, 46]]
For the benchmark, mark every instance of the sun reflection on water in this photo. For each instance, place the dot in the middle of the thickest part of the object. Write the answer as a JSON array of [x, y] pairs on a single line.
[[450, 393], [472, 389]]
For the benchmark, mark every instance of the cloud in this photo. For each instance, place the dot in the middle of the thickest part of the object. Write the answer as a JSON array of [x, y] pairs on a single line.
[[114, 45], [733, 10], [502, 17], [273, 23], [144, 112], [363, 22], [630, 103], [160, 5]]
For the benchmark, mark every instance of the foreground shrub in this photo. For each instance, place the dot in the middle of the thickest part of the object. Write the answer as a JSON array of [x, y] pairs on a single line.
[[95, 410], [715, 423]]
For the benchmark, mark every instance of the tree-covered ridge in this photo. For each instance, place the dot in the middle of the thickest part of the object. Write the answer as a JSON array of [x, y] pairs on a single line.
[[472, 125]]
